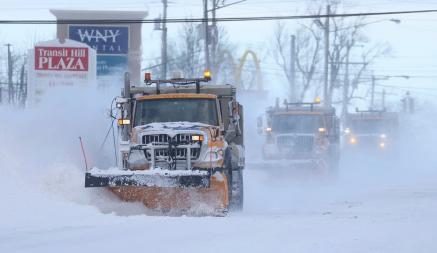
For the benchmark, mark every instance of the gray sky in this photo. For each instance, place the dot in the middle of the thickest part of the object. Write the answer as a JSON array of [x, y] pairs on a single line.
[[413, 41]]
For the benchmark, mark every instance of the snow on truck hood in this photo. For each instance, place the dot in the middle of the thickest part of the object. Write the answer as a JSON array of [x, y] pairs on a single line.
[[172, 126]]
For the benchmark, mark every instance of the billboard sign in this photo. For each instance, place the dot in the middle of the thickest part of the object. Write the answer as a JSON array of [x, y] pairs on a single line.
[[61, 58], [111, 40]]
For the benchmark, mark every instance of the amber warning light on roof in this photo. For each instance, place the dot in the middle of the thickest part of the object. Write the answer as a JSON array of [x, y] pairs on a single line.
[[147, 76], [207, 75]]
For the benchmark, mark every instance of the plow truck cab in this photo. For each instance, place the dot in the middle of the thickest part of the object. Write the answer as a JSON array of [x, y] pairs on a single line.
[[302, 134], [180, 147], [371, 130]]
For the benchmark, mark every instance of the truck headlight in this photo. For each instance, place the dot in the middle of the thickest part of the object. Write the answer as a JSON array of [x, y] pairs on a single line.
[[197, 137], [122, 122], [353, 140]]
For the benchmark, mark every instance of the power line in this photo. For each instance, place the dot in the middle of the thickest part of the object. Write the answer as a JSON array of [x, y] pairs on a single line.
[[199, 20], [406, 87]]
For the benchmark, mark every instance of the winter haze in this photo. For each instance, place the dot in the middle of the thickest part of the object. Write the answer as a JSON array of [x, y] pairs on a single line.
[[373, 203]]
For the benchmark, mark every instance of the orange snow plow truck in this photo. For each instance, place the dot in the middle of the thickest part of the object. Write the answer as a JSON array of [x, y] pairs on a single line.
[[180, 146]]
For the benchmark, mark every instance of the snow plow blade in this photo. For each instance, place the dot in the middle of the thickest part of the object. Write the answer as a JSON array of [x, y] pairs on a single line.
[[192, 179]]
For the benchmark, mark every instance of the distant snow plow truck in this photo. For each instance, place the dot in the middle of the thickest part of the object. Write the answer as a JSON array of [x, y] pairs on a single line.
[[302, 134], [371, 130], [180, 147]]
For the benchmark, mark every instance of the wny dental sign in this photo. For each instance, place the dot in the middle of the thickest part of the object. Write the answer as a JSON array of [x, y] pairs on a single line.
[[111, 40], [61, 58]]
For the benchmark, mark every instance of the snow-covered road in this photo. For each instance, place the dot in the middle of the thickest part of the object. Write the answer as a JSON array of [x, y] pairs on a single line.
[[278, 217], [372, 206]]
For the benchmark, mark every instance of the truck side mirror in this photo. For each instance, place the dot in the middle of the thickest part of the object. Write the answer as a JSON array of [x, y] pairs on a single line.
[[337, 125], [259, 122], [233, 109], [259, 125], [234, 113], [233, 129]]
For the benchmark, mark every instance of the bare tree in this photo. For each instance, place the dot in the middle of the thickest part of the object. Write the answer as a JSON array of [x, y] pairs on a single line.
[[345, 34], [18, 89], [367, 58], [224, 62], [185, 54], [304, 46], [308, 56]]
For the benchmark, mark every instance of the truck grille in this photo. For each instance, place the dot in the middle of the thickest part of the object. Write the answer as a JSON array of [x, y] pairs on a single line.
[[161, 139], [368, 141], [297, 144], [171, 146], [178, 153]]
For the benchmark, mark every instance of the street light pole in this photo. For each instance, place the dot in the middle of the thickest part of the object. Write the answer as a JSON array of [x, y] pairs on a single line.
[[293, 68], [164, 42], [326, 98], [10, 84], [372, 94], [214, 39], [346, 83], [213, 35]]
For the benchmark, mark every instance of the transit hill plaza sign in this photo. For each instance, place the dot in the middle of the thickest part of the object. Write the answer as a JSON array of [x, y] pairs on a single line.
[[56, 63], [61, 58]]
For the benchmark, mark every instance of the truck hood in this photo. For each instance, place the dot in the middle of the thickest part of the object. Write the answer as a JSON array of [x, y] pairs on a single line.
[[172, 126]]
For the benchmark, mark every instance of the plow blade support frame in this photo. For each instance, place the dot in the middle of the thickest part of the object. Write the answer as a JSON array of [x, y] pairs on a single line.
[[146, 180]]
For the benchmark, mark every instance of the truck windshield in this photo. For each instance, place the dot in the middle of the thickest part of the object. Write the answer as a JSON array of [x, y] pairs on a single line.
[[370, 126], [176, 110], [307, 124]]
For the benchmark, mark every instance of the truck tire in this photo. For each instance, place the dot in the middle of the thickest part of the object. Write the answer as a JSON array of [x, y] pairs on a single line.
[[237, 191], [235, 183]]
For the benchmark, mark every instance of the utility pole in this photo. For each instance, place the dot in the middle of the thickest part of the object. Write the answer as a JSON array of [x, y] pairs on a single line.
[[383, 99], [23, 92], [164, 59], [372, 95], [326, 99], [205, 23], [10, 84], [346, 84], [212, 35], [214, 38], [293, 68]]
